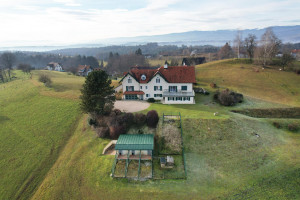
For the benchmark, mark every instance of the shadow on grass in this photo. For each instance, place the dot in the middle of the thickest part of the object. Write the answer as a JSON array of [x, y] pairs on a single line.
[[3, 118]]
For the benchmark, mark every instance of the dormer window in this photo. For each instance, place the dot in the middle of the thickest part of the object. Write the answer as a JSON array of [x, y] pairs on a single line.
[[129, 80], [157, 80], [143, 77]]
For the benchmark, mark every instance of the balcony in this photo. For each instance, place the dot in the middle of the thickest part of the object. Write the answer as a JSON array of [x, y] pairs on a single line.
[[179, 93]]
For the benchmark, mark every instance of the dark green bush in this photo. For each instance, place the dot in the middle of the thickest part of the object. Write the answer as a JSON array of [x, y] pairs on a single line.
[[151, 100], [276, 124], [228, 98], [152, 118], [139, 119]]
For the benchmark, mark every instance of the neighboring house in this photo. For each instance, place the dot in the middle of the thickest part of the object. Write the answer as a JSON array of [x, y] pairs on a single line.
[[84, 70], [118, 88], [296, 53], [133, 147], [53, 66], [170, 84]]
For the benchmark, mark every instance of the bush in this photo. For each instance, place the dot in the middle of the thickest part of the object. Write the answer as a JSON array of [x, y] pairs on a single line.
[[293, 127], [116, 131], [107, 108], [151, 100], [92, 122], [152, 118], [276, 124], [117, 111], [297, 71], [139, 119], [213, 85], [45, 79], [102, 132], [228, 98]]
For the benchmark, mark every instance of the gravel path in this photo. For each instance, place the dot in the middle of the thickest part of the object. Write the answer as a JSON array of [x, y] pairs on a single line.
[[131, 106]]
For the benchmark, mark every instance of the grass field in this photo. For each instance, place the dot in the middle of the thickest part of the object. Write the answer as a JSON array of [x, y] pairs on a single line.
[[34, 128], [265, 84], [229, 156]]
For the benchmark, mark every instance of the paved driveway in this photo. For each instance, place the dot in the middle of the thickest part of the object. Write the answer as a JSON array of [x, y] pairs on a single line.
[[131, 106]]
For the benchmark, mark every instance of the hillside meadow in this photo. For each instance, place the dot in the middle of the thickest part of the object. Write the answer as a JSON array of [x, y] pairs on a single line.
[[225, 158]]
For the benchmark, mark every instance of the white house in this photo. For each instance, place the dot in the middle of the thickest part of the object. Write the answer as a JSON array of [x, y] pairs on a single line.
[[53, 66], [170, 84], [84, 70]]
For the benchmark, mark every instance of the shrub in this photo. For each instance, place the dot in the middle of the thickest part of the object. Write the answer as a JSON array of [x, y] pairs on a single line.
[[293, 127], [228, 98], [102, 132], [213, 85], [139, 119], [152, 118], [116, 131], [117, 111], [151, 100], [298, 71], [276, 124], [45, 79], [92, 122], [107, 108], [128, 118]]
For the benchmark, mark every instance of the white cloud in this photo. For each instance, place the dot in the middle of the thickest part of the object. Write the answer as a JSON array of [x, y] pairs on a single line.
[[44, 22]]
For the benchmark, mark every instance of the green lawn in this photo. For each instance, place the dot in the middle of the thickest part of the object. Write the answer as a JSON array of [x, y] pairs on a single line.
[[265, 84], [33, 130], [229, 156]]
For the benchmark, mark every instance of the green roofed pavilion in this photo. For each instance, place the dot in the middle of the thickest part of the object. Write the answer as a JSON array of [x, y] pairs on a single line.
[[135, 142]]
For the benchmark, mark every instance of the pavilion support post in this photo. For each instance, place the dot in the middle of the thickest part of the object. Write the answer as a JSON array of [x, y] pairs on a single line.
[[139, 170], [127, 163]]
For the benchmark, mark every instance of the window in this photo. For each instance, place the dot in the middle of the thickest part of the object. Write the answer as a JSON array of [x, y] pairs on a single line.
[[141, 87], [143, 77], [131, 97], [184, 88], [170, 98], [129, 80], [147, 95], [146, 87], [178, 98], [172, 88], [157, 95], [186, 98], [157, 88], [129, 88], [157, 80]]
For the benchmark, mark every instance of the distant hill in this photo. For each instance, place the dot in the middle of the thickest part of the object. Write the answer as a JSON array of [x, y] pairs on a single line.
[[285, 33], [217, 38]]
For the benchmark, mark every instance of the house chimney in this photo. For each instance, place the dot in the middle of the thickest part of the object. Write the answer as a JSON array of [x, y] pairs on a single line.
[[166, 65]]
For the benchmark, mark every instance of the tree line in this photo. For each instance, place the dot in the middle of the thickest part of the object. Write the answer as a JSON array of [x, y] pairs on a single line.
[[29, 61], [261, 51]]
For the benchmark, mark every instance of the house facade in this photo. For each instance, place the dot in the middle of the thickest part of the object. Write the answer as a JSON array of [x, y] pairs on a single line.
[[53, 66], [169, 84], [84, 70]]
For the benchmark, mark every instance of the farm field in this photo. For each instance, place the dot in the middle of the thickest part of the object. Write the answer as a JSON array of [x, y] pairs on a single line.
[[228, 156]]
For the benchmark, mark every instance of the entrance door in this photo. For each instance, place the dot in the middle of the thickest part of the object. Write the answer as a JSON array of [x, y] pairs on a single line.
[[141, 97]]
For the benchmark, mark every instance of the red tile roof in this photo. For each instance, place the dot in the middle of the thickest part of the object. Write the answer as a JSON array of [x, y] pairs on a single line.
[[134, 92], [173, 74], [296, 51]]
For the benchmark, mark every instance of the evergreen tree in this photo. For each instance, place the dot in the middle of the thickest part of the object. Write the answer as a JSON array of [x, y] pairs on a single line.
[[138, 52], [97, 93]]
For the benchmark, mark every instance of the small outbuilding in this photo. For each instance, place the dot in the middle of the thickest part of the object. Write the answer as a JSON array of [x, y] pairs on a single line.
[[133, 147]]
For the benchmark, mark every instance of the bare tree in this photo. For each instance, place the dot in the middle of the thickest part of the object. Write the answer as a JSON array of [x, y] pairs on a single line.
[[250, 45], [8, 60], [238, 43], [268, 47]]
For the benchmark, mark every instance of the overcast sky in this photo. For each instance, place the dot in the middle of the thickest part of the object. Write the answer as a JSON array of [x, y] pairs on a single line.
[[60, 22]]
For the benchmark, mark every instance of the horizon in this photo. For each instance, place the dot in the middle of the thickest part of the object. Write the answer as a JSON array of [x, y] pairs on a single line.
[[69, 22]]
